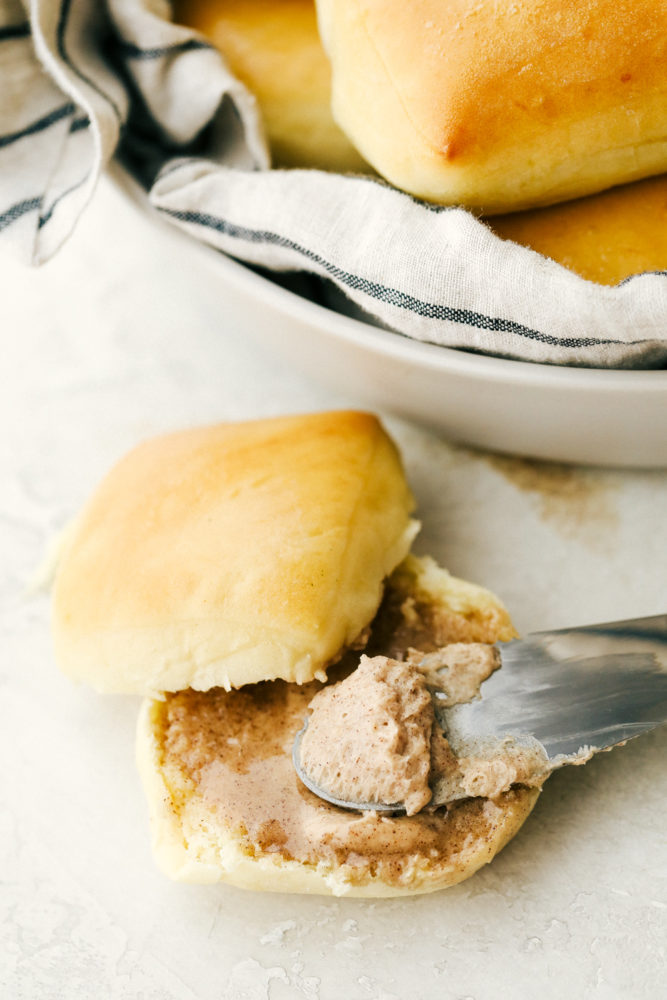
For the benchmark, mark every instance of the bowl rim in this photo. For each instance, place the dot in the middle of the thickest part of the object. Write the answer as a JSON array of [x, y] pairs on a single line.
[[435, 356], [378, 340]]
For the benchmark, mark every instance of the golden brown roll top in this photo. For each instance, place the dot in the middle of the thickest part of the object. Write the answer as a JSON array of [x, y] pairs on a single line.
[[232, 554], [501, 105], [605, 237]]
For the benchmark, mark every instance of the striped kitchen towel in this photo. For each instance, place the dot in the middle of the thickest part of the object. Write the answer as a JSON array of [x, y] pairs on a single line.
[[83, 81]]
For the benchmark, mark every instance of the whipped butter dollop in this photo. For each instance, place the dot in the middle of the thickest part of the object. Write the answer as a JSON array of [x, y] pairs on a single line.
[[369, 737], [373, 738]]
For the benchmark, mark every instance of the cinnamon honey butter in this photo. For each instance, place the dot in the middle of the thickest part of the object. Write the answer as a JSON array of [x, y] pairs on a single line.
[[234, 749], [373, 738]]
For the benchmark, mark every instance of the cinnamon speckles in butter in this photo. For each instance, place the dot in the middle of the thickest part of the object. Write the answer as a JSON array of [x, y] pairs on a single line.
[[369, 737]]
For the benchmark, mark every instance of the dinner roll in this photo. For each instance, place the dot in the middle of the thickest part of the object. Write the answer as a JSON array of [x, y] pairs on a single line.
[[273, 47], [605, 237], [501, 105], [232, 554]]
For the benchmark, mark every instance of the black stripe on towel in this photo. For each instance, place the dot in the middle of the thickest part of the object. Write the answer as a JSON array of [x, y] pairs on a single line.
[[384, 293], [61, 33], [78, 124], [131, 51], [15, 31], [38, 126], [642, 274], [16, 211], [45, 216]]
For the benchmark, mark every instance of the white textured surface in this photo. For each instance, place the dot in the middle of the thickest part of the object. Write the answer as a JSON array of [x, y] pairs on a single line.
[[114, 341]]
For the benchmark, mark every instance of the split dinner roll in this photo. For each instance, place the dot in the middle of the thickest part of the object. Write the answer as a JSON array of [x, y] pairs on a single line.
[[501, 105], [228, 573]]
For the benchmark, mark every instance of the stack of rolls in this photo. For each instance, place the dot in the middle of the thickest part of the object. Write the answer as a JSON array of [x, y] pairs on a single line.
[[503, 108]]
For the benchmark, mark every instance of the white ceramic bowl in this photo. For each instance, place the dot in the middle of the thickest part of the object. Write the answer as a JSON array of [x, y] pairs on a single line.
[[589, 416]]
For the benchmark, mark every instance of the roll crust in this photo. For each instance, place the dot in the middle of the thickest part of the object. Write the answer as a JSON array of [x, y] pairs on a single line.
[[501, 106], [605, 237], [231, 554]]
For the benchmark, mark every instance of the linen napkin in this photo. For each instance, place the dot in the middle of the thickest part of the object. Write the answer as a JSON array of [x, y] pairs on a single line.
[[83, 81]]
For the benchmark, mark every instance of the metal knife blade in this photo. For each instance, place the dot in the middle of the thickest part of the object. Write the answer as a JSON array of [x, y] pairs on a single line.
[[590, 687]]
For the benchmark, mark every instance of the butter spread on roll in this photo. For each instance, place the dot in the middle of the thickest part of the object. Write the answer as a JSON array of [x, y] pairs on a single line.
[[226, 802], [231, 573]]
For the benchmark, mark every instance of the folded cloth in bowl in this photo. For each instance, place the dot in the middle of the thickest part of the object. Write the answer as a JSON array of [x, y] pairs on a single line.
[[84, 81]]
